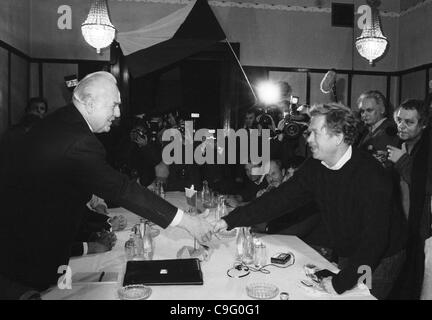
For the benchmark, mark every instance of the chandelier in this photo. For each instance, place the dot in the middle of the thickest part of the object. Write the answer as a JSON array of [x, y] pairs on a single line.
[[97, 29], [372, 43]]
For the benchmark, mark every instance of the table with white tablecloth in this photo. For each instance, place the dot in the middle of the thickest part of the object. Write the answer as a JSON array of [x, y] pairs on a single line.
[[217, 284]]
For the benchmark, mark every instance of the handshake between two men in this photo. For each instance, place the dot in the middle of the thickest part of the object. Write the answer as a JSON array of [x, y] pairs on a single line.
[[202, 228]]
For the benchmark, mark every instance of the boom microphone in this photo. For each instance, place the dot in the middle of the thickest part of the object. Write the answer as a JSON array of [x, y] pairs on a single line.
[[328, 82]]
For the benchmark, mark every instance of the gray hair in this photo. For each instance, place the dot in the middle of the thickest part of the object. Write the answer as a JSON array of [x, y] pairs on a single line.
[[339, 119]]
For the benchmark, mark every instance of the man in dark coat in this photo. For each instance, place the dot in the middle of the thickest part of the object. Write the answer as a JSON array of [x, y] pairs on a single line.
[[354, 196], [60, 164]]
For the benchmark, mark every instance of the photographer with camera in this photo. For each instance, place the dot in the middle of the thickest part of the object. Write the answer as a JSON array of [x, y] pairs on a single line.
[[290, 140], [141, 155]]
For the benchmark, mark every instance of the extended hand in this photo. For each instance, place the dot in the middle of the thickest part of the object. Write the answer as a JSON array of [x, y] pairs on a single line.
[[394, 153], [197, 227], [219, 226]]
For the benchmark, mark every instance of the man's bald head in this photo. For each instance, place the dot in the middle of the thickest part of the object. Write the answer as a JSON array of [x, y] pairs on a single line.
[[97, 98]]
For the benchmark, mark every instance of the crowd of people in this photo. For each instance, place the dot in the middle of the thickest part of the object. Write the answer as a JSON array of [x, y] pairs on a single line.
[[354, 185]]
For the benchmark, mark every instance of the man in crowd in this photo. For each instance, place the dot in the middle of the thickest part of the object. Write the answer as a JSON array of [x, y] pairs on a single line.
[[250, 119], [61, 164], [250, 186], [355, 199], [413, 162], [381, 131], [36, 109]]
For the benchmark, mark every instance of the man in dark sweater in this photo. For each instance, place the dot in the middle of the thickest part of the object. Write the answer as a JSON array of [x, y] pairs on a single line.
[[355, 199]]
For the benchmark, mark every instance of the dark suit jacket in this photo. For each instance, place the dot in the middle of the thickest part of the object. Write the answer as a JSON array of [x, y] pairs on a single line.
[[385, 134], [43, 194]]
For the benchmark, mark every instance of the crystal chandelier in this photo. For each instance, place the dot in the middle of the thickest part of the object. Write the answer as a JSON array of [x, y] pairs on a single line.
[[372, 43], [97, 29]]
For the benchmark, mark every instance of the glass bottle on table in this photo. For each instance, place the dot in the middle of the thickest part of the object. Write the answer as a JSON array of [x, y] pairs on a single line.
[[245, 246], [147, 243], [160, 189], [221, 210], [130, 248], [248, 247], [206, 195]]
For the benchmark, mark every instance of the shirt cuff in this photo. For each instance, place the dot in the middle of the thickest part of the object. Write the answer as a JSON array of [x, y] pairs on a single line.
[[109, 222], [85, 248], [178, 217]]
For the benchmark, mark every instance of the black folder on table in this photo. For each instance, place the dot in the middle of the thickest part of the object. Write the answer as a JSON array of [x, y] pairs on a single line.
[[164, 272]]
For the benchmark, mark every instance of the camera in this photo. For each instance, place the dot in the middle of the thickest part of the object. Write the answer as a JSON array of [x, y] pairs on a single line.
[[265, 121], [294, 122]]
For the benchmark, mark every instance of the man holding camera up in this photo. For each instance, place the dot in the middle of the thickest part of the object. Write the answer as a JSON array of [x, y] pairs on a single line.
[[146, 156], [355, 200]]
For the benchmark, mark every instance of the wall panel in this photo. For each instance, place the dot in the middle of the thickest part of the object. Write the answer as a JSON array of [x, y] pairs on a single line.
[[19, 87], [3, 90], [414, 85], [54, 87]]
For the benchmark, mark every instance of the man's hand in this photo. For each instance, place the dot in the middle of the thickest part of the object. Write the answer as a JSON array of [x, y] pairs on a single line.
[[394, 154], [219, 225], [101, 208], [199, 228], [117, 223]]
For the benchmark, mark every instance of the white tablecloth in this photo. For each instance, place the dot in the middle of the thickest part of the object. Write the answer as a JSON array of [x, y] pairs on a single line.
[[217, 285]]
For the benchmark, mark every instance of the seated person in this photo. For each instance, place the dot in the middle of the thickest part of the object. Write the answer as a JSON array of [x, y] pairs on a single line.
[[250, 187], [97, 229], [97, 233]]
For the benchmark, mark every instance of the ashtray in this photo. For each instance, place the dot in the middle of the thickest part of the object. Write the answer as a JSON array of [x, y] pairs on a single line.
[[134, 292], [262, 290]]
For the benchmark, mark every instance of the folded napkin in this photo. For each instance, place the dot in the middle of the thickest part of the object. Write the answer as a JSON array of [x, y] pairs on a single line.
[[202, 253]]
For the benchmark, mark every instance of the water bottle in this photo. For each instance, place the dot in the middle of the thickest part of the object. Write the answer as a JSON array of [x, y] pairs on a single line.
[[206, 195], [221, 208], [248, 247], [161, 190], [130, 248], [240, 239], [147, 243]]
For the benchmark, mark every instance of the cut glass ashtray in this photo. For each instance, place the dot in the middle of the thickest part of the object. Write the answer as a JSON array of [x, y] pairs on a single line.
[[262, 290], [134, 292]]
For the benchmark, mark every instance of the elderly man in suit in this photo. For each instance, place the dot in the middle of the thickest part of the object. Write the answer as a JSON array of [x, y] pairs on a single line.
[[60, 165], [381, 130]]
